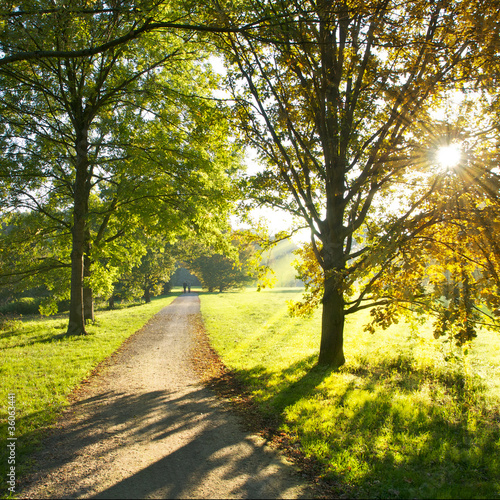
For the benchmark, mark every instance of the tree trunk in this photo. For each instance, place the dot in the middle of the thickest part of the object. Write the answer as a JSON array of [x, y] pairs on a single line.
[[88, 294], [147, 295], [88, 305], [331, 351], [76, 325]]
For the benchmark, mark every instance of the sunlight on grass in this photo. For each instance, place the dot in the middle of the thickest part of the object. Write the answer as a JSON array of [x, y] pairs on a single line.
[[397, 421], [41, 366]]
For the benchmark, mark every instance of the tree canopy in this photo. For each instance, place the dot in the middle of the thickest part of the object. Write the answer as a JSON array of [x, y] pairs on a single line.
[[103, 146], [338, 98], [235, 265]]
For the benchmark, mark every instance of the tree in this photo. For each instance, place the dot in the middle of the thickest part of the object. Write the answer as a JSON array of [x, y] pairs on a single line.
[[217, 271], [336, 97], [453, 263], [118, 140], [236, 267], [150, 276], [41, 247], [144, 17]]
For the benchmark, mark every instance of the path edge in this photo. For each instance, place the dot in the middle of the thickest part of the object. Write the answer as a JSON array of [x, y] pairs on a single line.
[[214, 374]]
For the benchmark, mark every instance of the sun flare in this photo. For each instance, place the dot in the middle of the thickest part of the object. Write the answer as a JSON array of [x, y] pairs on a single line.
[[449, 156]]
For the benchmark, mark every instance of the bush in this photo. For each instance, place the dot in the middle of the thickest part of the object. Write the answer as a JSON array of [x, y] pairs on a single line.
[[63, 306], [24, 305]]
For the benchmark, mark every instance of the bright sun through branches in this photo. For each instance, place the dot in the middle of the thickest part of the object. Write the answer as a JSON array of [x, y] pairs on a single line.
[[449, 156]]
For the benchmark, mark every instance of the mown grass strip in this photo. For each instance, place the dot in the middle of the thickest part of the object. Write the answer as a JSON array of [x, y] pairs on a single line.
[[397, 421], [42, 366]]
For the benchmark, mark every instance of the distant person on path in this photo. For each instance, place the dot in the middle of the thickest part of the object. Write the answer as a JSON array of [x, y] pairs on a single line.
[[185, 286], [189, 288]]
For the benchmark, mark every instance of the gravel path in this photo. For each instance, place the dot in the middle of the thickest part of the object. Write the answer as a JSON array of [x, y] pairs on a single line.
[[145, 427]]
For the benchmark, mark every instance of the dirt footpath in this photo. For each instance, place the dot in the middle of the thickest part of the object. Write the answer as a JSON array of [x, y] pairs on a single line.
[[145, 427]]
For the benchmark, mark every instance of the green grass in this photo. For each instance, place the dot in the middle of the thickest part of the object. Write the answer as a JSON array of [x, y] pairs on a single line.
[[397, 421], [41, 366]]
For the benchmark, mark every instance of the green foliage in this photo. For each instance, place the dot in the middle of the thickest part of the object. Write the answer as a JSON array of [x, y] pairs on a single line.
[[103, 277], [151, 275], [216, 271], [123, 142], [33, 253], [24, 305], [48, 309], [402, 419], [237, 267]]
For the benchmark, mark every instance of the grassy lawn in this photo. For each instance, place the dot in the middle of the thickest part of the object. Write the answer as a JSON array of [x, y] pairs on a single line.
[[397, 421], [41, 366]]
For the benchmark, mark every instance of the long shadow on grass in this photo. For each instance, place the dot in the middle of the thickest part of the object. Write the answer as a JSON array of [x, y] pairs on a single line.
[[288, 388], [401, 431], [43, 339], [390, 430]]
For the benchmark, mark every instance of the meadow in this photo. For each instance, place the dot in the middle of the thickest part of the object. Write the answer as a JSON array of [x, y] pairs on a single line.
[[42, 366], [406, 417]]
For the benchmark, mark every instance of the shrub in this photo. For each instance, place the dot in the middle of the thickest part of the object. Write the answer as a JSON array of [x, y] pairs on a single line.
[[24, 305]]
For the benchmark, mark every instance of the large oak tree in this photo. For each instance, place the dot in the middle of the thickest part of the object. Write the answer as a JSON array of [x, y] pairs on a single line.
[[125, 138], [337, 99]]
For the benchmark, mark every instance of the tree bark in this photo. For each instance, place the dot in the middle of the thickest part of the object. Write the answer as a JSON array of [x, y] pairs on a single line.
[[88, 294], [147, 295], [76, 325], [88, 305], [332, 334]]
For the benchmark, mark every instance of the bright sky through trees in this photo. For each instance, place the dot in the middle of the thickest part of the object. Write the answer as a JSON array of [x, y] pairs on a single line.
[[449, 156]]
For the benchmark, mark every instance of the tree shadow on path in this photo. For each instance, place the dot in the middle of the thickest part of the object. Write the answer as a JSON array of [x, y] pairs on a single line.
[[158, 445]]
